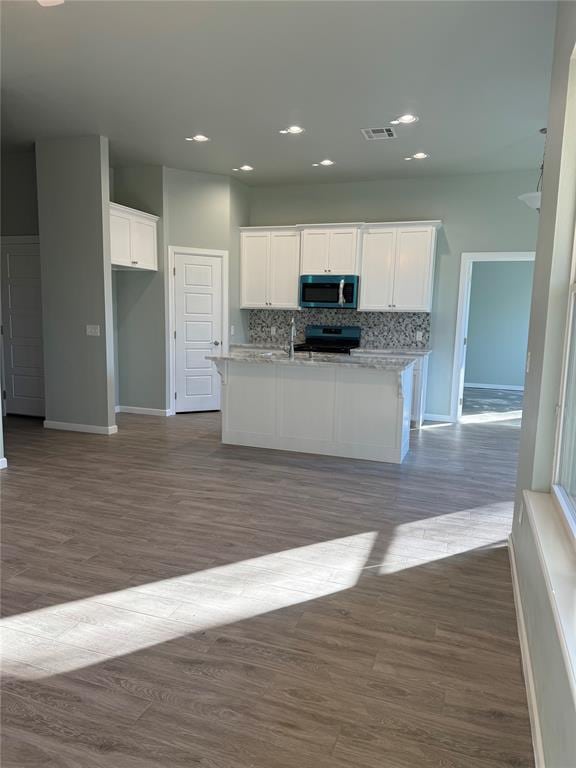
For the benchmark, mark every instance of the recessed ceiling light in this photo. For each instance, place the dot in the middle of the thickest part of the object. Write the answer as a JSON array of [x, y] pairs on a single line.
[[326, 162], [408, 158], [246, 168], [294, 130], [420, 156], [404, 119], [315, 165], [198, 137], [48, 3], [235, 169]]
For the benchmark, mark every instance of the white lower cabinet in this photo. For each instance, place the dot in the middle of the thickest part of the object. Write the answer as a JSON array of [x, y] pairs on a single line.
[[133, 238], [270, 269], [397, 269]]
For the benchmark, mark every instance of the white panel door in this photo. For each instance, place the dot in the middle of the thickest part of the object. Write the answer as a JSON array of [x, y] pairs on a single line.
[[377, 270], [254, 269], [120, 252], [198, 319], [315, 245], [284, 270], [143, 252], [342, 252], [413, 274], [22, 323]]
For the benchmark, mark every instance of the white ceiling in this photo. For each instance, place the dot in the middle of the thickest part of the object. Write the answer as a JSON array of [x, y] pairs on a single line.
[[148, 74]]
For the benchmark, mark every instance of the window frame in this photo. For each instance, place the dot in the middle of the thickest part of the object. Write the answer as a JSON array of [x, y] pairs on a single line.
[[563, 501]]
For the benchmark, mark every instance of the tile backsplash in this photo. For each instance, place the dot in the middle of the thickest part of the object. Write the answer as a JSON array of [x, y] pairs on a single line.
[[379, 329]]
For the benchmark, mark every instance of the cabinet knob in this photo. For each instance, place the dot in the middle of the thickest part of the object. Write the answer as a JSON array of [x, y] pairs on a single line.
[[216, 343], [133, 262]]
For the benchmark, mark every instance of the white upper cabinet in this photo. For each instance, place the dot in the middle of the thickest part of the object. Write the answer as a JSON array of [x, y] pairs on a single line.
[[377, 270], [284, 269], [269, 269], [397, 269], [119, 238], [133, 238], [414, 270], [329, 251], [255, 250]]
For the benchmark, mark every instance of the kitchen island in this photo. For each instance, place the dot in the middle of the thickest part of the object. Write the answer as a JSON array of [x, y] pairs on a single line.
[[355, 406]]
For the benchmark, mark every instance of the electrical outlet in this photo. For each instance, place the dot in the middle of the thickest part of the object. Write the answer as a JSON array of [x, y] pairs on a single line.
[[232, 330], [419, 335], [92, 330], [273, 331]]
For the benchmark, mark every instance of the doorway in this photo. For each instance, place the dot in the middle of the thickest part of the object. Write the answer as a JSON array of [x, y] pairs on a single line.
[[22, 365], [199, 326], [492, 336]]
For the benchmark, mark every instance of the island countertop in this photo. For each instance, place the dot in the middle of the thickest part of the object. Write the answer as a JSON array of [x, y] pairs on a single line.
[[377, 361]]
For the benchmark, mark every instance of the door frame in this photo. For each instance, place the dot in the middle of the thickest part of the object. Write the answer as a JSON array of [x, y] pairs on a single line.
[[462, 317], [170, 338], [5, 242]]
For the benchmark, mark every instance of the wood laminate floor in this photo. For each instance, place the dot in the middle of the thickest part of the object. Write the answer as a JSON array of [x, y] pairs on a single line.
[[173, 602]]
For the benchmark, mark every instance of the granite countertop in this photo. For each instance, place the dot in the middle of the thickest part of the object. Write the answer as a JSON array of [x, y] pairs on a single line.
[[253, 354], [364, 351]]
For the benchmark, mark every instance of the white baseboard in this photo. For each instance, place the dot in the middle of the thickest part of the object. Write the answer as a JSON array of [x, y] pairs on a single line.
[[142, 411], [438, 417], [68, 426], [3, 463], [513, 387], [526, 664]]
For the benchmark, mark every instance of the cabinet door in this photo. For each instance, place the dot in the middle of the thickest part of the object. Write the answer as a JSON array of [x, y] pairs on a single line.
[[377, 270], [143, 251], [254, 269], [284, 270], [315, 245], [342, 252], [120, 239], [413, 273]]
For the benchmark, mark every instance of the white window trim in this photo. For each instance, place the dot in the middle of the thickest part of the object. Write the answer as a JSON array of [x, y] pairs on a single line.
[[559, 494]]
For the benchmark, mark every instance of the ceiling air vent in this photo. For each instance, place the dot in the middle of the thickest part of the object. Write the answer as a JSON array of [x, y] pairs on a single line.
[[371, 134]]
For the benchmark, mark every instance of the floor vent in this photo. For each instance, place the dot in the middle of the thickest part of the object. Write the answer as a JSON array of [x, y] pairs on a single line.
[[371, 134]]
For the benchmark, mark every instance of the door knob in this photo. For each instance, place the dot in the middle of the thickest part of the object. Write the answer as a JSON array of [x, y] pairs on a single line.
[[216, 343]]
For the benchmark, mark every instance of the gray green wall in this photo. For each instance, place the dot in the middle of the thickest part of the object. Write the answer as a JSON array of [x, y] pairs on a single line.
[[19, 210], [197, 210], [500, 298], [73, 197], [479, 212], [554, 700], [239, 217], [140, 306]]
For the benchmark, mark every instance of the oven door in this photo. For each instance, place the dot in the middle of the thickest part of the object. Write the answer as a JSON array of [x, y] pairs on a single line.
[[333, 292]]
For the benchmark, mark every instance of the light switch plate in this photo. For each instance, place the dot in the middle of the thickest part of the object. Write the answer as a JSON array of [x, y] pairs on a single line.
[[419, 335], [273, 331], [92, 330]]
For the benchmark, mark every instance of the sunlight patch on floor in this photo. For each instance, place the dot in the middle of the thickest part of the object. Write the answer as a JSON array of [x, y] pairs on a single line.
[[490, 417], [431, 539], [64, 637]]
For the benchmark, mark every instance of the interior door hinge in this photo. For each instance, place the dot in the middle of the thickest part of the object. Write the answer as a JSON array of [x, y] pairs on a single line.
[[465, 340], [461, 401], [174, 271], [3, 394], [174, 334], [175, 395]]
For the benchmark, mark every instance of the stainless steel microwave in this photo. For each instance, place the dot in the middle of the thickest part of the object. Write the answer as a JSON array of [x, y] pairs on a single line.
[[329, 291]]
